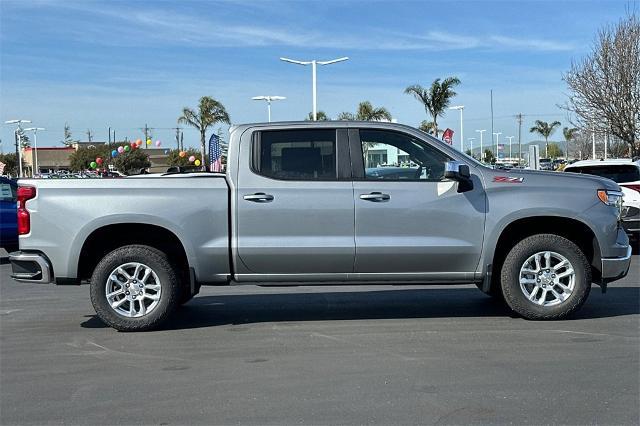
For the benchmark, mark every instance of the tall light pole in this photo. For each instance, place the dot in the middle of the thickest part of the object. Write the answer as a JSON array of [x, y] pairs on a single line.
[[35, 147], [461, 109], [481, 151], [497, 137], [268, 99], [18, 138], [314, 64], [471, 145], [510, 138]]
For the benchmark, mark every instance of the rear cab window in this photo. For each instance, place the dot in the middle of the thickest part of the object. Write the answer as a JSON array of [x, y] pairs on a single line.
[[296, 154]]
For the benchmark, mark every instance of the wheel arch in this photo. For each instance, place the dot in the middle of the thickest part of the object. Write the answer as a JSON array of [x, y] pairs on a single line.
[[573, 229], [107, 238]]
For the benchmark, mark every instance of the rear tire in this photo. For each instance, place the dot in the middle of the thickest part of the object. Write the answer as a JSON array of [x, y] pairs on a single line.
[[545, 277], [128, 278]]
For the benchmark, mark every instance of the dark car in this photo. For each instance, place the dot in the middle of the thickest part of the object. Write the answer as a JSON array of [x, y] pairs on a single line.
[[8, 214]]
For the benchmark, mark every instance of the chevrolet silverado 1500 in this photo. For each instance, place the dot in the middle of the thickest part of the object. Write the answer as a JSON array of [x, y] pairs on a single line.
[[324, 203]]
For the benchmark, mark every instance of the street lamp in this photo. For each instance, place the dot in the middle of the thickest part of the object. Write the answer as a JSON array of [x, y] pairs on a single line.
[[510, 138], [314, 64], [471, 145], [460, 108], [497, 138], [481, 151], [35, 147], [268, 99], [18, 139]]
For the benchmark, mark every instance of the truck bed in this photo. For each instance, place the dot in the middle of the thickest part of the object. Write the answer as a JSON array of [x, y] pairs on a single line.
[[194, 207]]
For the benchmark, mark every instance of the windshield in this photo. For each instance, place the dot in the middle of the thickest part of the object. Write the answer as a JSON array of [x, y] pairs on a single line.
[[617, 173]]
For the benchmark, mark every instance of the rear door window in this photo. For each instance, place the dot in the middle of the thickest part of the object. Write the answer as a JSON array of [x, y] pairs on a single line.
[[297, 154]]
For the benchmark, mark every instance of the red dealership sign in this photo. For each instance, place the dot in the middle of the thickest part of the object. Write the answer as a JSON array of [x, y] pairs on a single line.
[[447, 136]]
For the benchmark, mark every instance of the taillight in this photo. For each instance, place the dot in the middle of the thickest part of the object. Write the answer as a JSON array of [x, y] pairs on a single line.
[[635, 187], [24, 219]]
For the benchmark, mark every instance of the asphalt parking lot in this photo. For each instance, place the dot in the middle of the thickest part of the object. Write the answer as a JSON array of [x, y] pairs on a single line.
[[338, 355]]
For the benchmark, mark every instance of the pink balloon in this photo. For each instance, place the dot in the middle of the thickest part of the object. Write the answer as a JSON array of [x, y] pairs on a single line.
[[120, 149], [158, 143], [192, 159]]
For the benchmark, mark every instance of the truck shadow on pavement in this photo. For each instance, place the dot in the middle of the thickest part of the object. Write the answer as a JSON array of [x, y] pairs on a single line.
[[216, 310]]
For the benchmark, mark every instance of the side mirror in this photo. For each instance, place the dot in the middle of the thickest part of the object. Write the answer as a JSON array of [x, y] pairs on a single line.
[[458, 171]]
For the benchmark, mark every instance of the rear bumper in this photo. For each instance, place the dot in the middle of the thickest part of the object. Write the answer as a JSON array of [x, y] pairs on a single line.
[[617, 267], [30, 267]]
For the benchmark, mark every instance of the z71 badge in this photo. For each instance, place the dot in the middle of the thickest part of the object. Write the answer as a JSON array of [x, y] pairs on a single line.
[[508, 179]]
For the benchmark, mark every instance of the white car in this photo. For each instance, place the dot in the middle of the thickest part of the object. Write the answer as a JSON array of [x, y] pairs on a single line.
[[626, 173]]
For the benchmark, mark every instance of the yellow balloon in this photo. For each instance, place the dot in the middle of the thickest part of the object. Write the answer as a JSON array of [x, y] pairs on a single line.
[[149, 141], [197, 162]]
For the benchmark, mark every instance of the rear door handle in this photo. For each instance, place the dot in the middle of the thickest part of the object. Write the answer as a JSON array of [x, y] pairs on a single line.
[[375, 196], [259, 197]]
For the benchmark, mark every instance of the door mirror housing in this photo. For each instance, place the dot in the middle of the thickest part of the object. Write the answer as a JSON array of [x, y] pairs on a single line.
[[459, 171]]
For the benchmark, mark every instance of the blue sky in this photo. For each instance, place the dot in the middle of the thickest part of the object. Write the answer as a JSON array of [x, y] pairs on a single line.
[[96, 64]]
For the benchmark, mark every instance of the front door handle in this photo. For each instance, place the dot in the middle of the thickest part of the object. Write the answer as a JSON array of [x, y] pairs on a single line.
[[375, 196], [259, 197]]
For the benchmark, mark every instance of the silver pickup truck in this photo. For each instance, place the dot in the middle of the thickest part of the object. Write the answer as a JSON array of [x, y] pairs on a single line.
[[307, 203]]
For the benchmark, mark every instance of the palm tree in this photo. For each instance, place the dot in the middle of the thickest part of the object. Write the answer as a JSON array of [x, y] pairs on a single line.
[[346, 116], [428, 127], [569, 134], [436, 98], [366, 112], [320, 116], [209, 113], [545, 130]]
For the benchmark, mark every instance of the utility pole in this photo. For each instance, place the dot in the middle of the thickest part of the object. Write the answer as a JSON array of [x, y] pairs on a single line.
[[461, 109], [146, 135], [593, 142], [492, 111], [181, 140], [109, 141], [519, 117], [35, 169], [471, 145]]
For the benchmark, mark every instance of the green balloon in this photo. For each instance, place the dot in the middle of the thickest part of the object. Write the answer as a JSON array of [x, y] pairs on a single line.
[[93, 164], [127, 148]]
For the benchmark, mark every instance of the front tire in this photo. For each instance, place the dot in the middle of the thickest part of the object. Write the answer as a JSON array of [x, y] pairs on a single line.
[[545, 277], [135, 288]]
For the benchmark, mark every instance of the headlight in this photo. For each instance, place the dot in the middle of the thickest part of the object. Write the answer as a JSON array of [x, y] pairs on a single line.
[[612, 198]]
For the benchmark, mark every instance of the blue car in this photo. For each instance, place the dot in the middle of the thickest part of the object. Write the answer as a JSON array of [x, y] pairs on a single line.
[[8, 214]]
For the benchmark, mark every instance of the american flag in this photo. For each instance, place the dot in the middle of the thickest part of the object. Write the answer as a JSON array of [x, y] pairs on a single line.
[[215, 153]]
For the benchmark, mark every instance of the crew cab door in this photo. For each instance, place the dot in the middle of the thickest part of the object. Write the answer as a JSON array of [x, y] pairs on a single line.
[[411, 223], [294, 206]]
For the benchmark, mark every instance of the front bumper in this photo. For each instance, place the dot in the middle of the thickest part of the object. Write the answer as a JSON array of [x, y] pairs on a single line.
[[615, 268], [30, 267]]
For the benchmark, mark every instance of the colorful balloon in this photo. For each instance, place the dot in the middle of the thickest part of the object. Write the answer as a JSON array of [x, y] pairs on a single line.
[[99, 160], [197, 163], [182, 154], [192, 159], [114, 153], [127, 148], [149, 141], [133, 145], [93, 165], [138, 142], [158, 143], [120, 149]]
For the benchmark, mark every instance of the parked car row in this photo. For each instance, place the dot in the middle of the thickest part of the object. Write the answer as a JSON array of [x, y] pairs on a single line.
[[626, 173]]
